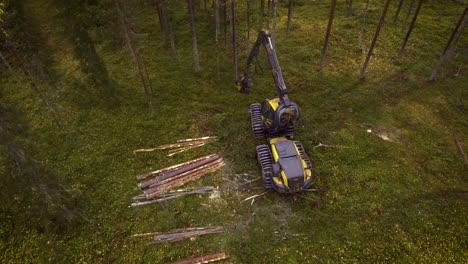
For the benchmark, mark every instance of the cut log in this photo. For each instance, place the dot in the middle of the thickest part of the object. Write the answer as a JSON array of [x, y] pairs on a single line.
[[188, 167], [180, 234], [203, 169], [164, 177], [205, 259], [156, 191], [149, 174]]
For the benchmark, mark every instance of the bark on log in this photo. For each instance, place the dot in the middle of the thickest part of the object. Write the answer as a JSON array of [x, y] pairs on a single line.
[[183, 234], [179, 181], [149, 174], [205, 259], [168, 184], [166, 175]]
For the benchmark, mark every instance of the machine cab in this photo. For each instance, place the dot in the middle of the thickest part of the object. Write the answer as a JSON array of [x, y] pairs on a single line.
[[276, 113]]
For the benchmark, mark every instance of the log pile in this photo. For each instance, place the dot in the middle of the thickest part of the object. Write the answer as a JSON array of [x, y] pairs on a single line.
[[181, 145], [161, 187], [180, 234], [205, 259]]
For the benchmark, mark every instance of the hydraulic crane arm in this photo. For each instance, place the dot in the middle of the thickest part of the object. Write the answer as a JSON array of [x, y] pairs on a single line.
[[245, 84]]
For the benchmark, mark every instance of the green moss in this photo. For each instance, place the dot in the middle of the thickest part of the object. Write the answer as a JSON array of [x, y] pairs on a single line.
[[376, 201]]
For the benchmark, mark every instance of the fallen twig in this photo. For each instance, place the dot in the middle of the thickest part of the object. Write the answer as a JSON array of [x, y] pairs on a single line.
[[208, 138], [173, 152], [330, 146], [459, 147], [205, 259], [255, 196]]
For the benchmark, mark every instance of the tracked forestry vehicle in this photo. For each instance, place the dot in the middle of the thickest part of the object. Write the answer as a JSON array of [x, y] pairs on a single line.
[[276, 116], [284, 163]]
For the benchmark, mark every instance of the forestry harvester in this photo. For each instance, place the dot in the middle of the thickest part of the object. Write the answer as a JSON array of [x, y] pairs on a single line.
[[284, 163]]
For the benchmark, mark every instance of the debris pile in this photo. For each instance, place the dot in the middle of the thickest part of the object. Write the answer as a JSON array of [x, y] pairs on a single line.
[[161, 188], [181, 145]]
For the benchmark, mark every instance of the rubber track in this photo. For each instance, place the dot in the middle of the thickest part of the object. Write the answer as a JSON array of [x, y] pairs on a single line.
[[257, 123], [288, 132], [265, 161], [303, 154]]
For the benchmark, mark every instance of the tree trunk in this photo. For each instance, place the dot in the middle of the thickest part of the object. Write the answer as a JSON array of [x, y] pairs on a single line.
[[204, 5], [327, 35], [234, 39], [455, 14], [262, 13], [395, 18], [400, 54], [13, 73], [162, 21], [160, 16], [170, 31], [451, 45], [268, 14], [216, 11], [374, 40], [290, 13], [350, 7], [136, 57], [194, 36], [455, 30], [225, 14], [275, 10], [442, 13], [363, 28], [50, 107], [403, 29], [248, 21]]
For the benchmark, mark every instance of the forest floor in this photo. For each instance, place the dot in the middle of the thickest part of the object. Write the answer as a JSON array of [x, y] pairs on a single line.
[[392, 188]]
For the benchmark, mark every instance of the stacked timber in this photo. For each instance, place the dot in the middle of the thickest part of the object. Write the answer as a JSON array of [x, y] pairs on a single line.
[[161, 187], [181, 145]]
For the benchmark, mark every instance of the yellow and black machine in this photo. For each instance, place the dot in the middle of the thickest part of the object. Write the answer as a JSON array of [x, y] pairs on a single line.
[[284, 163]]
